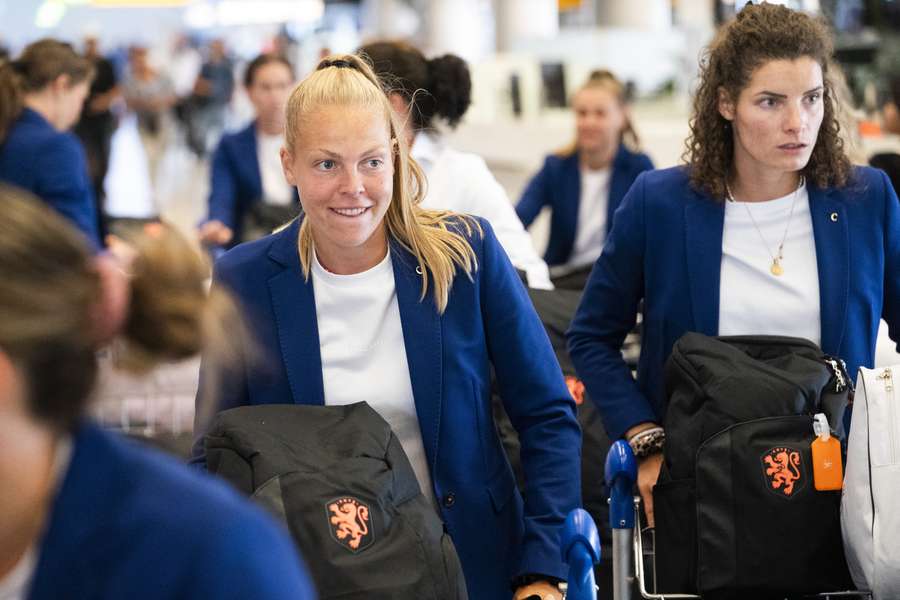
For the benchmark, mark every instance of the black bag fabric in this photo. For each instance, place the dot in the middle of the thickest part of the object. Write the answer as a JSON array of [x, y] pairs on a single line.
[[340, 481], [737, 514]]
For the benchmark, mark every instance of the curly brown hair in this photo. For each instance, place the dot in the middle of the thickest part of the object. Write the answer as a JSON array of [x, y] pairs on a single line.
[[760, 33]]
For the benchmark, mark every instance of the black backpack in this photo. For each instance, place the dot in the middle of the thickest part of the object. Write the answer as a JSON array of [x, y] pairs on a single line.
[[737, 514], [340, 481]]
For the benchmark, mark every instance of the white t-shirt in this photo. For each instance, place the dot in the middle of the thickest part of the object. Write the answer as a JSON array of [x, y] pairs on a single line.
[[590, 232], [364, 355], [462, 182], [275, 188], [753, 301]]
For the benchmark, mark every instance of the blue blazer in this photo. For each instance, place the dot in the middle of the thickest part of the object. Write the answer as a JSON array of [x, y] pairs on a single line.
[[489, 321], [129, 522], [558, 185], [236, 182], [665, 248], [52, 166]]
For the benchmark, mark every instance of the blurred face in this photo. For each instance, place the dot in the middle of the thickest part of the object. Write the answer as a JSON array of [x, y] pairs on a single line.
[[777, 117], [270, 90], [70, 99], [599, 120], [342, 166]]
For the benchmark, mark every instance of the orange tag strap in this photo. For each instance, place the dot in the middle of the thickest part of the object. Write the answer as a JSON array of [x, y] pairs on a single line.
[[828, 472]]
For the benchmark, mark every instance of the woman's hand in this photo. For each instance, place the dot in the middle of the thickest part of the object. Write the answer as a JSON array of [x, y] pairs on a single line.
[[648, 473], [542, 590], [215, 233]]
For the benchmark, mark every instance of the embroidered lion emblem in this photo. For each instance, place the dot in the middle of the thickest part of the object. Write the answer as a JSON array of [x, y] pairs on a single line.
[[349, 523], [784, 471]]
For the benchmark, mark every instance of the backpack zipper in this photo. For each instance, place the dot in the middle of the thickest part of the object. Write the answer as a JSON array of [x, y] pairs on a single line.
[[887, 378]]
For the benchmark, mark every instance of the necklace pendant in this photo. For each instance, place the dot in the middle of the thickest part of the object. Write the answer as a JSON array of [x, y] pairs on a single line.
[[776, 268]]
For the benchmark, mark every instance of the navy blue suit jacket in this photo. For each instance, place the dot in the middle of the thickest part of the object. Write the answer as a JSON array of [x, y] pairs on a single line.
[[129, 522], [236, 182], [665, 248], [558, 185], [489, 321], [52, 166]]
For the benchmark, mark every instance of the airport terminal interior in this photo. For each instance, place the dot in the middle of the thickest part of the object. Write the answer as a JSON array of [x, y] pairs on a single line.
[[178, 84]]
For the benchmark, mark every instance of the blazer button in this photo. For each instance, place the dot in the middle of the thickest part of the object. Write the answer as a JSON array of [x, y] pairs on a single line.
[[834, 217], [449, 500]]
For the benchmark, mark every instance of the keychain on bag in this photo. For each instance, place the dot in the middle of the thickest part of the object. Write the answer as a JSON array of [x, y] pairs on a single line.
[[828, 472]]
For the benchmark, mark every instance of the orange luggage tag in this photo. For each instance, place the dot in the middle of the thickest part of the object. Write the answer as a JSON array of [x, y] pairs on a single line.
[[828, 472]]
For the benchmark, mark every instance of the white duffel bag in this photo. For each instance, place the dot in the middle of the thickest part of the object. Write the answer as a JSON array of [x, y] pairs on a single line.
[[870, 506]]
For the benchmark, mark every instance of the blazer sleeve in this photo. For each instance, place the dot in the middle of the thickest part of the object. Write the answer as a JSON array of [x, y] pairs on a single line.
[[63, 184], [223, 383], [607, 312], [536, 196], [891, 305], [539, 406], [223, 188], [250, 557]]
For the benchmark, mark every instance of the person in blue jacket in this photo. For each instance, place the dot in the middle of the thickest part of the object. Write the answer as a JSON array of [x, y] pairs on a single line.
[[248, 195], [85, 513], [584, 184], [369, 297], [41, 95], [768, 229]]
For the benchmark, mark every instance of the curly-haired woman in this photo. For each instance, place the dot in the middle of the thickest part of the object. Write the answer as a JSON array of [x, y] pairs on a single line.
[[766, 230]]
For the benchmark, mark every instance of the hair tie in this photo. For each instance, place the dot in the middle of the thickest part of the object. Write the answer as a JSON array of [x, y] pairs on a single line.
[[339, 63]]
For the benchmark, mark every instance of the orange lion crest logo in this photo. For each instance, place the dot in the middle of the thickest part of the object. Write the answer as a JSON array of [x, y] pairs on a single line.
[[349, 523], [783, 469]]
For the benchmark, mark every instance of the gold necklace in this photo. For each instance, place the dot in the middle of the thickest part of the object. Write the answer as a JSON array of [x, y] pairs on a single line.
[[776, 269]]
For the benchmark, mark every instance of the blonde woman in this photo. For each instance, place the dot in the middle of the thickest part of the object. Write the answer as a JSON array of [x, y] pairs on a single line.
[[370, 297], [584, 184]]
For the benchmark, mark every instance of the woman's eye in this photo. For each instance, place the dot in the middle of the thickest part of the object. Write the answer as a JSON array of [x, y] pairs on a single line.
[[768, 102], [813, 98], [374, 163], [326, 165]]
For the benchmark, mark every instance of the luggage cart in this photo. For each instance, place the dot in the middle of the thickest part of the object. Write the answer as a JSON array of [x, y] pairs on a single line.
[[628, 548]]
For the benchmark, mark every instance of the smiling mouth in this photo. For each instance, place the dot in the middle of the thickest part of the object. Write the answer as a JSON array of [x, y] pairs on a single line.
[[351, 212]]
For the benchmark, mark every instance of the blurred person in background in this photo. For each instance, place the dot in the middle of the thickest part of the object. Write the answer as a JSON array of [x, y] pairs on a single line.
[[41, 96], [97, 123], [888, 159], [249, 196], [150, 95], [212, 94], [84, 512], [584, 183], [423, 91]]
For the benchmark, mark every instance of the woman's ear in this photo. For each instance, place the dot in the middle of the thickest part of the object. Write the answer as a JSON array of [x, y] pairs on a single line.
[[726, 105], [10, 387], [287, 165]]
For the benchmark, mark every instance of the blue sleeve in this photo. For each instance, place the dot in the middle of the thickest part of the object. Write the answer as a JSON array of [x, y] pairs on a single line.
[[535, 197], [63, 183], [891, 306], [644, 163], [220, 386], [251, 558], [223, 188], [538, 404], [607, 312]]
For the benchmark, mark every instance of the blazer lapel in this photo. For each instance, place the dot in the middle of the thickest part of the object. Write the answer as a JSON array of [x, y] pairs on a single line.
[[293, 302], [704, 220], [832, 237], [424, 350], [571, 200], [620, 180]]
